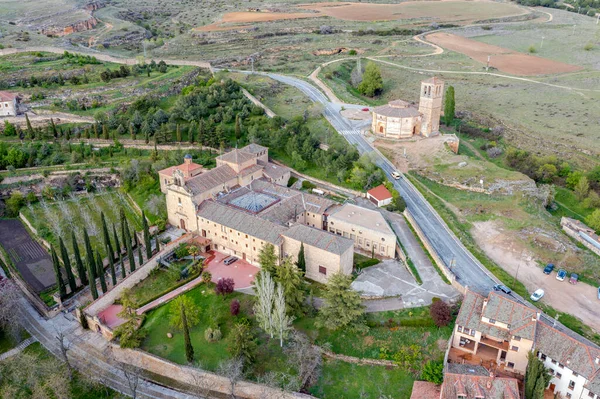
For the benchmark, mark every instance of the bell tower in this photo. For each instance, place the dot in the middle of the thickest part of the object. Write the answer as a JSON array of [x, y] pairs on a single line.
[[430, 105]]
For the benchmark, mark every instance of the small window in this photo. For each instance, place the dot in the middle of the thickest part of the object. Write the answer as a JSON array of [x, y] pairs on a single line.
[[517, 338], [543, 357], [571, 384], [472, 333], [323, 270], [514, 348], [561, 366], [591, 395], [459, 329], [492, 321], [510, 365], [246, 235], [553, 361], [575, 374], [179, 200], [569, 395], [558, 375]]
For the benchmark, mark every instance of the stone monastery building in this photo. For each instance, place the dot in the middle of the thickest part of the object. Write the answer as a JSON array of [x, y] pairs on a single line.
[[400, 119], [244, 204]]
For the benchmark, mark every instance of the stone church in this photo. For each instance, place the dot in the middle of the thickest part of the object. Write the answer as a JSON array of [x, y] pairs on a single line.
[[400, 119]]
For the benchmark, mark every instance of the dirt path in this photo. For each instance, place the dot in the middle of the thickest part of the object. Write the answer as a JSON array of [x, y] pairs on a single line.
[[579, 300], [56, 116]]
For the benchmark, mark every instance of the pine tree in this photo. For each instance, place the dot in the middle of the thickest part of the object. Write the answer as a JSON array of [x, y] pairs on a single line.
[[147, 240], [78, 262], [372, 83], [105, 236], [301, 263], [132, 132], [67, 263], [89, 256], [119, 252], [92, 279], [59, 280], [111, 264], [189, 349], [267, 259], [290, 278], [449, 110], [53, 128], [100, 272], [191, 132], [342, 305], [30, 132]]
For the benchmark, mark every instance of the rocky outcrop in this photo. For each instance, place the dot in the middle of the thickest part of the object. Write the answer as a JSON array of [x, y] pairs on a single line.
[[93, 6], [78, 26]]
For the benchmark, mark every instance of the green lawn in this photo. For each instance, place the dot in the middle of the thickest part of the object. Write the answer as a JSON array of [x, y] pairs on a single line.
[[569, 205], [340, 380], [159, 282], [7, 342]]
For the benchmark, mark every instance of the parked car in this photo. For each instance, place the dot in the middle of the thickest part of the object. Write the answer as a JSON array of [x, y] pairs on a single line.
[[537, 295], [396, 174], [598, 292], [562, 273], [365, 109], [574, 278], [229, 260], [548, 269], [503, 288]]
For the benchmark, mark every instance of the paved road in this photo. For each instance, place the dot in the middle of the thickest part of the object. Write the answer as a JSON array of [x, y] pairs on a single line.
[[469, 271]]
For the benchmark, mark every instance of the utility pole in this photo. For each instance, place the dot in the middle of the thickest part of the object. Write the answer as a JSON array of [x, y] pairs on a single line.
[[542, 45], [487, 67], [598, 18]]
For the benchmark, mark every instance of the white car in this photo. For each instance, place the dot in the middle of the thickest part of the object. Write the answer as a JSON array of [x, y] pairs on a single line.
[[396, 174], [537, 295]]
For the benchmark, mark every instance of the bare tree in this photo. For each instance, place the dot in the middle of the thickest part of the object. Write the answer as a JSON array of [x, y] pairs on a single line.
[[64, 346], [263, 308], [133, 377], [306, 358], [202, 383], [282, 323], [9, 318], [233, 370]]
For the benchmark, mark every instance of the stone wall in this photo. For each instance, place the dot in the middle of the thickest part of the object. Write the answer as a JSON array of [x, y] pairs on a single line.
[[216, 385], [256, 102]]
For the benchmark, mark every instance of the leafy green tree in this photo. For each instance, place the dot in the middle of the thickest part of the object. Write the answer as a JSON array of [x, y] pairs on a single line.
[[582, 188], [433, 372], [301, 263], [59, 280], [147, 240], [67, 263], [100, 273], [593, 220], [14, 203], [185, 314], [267, 259], [372, 82], [130, 336], [342, 306], [536, 375], [78, 262], [242, 343], [449, 106], [290, 278]]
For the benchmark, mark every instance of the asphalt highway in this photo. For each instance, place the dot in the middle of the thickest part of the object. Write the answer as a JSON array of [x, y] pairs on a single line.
[[467, 269]]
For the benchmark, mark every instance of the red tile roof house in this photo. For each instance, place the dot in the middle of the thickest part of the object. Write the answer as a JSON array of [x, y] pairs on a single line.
[[380, 196], [425, 390], [188, 168], [8, 104]]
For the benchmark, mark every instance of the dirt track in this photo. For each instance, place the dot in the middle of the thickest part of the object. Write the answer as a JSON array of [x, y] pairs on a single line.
[[579, 300], [503, 59]]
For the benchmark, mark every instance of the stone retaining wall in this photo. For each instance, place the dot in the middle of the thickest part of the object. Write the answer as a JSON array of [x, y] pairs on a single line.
[[256, 102]]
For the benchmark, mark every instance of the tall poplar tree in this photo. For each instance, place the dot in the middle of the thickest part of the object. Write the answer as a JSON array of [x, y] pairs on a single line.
[[59, 280], [78, 262], [100, 272], [67, 263], [147, 240]]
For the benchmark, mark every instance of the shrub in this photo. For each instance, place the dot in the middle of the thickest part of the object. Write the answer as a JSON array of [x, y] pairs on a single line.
[[213, 334], [589, 46], [234, 307], [532, 49], [494, 152], [182, 250], [352, 52], [225, 286], [206, 277], [433, 372], [440, 313], [307, 185]]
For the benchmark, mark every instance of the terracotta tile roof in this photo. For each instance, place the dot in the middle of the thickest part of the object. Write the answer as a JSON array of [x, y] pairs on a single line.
[[380, 193], [188, 169], [7, 96], [396, 112], [254, 148], [211, 179], [474, 386], [506, 310], [425, 390], [273, 171], [361, 217], [236, 157]]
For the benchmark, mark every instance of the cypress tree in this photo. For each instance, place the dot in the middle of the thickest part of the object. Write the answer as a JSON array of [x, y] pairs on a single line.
[[191, 132], [67, 263], [119, 254], [127, 239], [106, 237], [189, 349], [80, 268], [30, 132], [139, 248], [178, 133], [96, 134], [132, 132], [89, 255], [449, 106], [301, 263], [157, 243], [111, 263], [100, 272], [59, 281], [53, 128], [147, 241], [91, 273], [201, 132], [238, 127], [104, 131]]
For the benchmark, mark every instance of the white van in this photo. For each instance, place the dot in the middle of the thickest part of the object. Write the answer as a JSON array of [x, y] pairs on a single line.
[[396, 174]]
